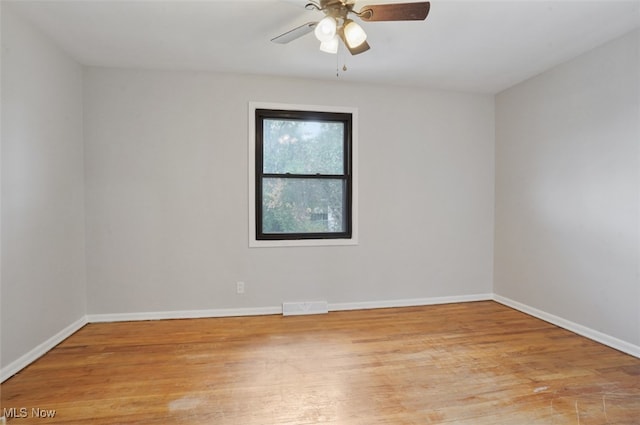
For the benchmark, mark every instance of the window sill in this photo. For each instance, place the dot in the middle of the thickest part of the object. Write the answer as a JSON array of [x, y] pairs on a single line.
[[302, 242]]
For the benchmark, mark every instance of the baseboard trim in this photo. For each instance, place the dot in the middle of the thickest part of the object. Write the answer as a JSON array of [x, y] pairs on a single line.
[[184, 314], [33, 355], [602, 338], [411, 302], [261, 311]]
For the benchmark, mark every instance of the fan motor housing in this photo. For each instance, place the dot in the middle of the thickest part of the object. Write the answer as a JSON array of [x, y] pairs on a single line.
[[336, 8]]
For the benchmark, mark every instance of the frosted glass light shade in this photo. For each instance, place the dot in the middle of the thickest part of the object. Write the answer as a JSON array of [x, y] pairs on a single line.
[[326, 29], [330, 46], [354, 34]]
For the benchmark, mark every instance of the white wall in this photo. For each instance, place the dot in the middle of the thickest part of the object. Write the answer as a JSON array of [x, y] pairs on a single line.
[[167, 202], [568, 191], [43, 265]]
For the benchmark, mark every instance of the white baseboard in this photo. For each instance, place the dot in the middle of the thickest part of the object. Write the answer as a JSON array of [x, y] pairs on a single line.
[[185, 314], [411, 302], [261, 311], [618, 344], [33, 355]]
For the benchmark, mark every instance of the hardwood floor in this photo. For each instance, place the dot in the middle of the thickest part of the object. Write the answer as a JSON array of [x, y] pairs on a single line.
[[473, 363]]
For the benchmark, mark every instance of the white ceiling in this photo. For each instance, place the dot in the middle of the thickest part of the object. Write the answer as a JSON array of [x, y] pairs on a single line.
[[479, 46]]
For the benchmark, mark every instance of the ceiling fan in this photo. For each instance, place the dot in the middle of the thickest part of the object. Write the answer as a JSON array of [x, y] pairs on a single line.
[[338, 25]]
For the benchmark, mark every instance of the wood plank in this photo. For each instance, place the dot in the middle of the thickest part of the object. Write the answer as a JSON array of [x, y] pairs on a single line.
[[472, 363]]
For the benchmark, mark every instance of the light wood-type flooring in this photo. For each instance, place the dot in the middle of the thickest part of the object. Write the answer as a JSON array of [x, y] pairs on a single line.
[[473, 363]]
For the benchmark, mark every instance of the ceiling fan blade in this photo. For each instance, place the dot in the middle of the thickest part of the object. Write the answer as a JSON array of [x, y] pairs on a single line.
[[417, 11], [353, 50], [295, 33]]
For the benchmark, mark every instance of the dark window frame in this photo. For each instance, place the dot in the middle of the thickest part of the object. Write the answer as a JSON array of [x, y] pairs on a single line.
[[346, 177]]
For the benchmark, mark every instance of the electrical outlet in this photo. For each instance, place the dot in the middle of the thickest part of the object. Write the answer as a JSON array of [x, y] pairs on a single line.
[[240, 287]]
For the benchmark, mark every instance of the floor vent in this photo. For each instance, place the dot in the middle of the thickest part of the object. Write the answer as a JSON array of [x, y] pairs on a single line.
[[307, 307]]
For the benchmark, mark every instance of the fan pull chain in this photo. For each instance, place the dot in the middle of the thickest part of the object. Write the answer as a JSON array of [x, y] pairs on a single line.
[[344, 69], [344, 65]]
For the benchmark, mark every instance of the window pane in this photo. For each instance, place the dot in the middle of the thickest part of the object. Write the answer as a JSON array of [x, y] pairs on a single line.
[[303, 205], [302, 147]]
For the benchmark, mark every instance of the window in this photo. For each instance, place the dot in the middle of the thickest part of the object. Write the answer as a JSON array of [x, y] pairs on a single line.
[[303, 188], [303, 175]]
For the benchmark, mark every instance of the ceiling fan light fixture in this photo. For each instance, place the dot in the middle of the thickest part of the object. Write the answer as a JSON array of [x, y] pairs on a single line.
[[330, 46], [354, 35], [336, 22], [326, 29]]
